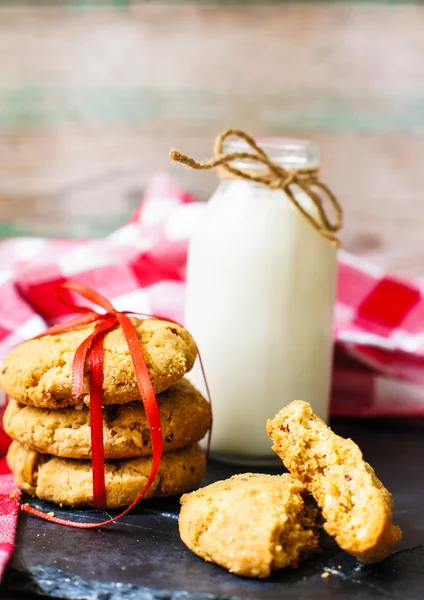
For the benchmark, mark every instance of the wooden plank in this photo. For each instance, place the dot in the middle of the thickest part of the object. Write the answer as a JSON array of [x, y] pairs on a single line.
[[92, 100]]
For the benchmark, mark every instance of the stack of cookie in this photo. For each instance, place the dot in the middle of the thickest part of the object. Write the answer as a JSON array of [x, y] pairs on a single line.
[[51, 452]]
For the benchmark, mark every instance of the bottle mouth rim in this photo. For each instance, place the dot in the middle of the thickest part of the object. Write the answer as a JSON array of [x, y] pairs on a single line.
[[290, 153]]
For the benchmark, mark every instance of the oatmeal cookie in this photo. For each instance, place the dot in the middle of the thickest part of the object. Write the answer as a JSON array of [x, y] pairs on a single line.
[[250, 524], [356, 506], [65, 432], [38, 372], [69, 482]]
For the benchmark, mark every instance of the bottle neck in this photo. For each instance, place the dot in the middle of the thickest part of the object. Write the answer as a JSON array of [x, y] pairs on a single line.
[[290, 154]]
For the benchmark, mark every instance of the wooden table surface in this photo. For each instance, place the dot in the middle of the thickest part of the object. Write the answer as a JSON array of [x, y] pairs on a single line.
[[92, 98]]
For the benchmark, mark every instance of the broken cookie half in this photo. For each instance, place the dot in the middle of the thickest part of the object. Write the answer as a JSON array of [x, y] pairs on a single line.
[[357, 508], [251, 524]]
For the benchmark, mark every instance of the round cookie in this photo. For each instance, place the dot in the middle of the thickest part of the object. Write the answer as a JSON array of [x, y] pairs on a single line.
[[69, 482], [38, 372], [65, 432], [250, 524]]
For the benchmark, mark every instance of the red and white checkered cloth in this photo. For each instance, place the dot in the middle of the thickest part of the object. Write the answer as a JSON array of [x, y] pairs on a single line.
[[379, 320]]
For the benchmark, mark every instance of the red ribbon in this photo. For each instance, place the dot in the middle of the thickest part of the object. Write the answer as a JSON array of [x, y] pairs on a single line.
[[92, 349]]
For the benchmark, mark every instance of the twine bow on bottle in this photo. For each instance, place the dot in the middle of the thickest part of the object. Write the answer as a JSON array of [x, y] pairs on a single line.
[[92, 349], [275, 177]]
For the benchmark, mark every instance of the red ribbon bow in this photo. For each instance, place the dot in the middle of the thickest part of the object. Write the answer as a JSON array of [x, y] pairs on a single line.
[[92, 348]]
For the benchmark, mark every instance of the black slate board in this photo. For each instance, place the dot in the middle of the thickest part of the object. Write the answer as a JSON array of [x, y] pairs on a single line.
[[141, 557]]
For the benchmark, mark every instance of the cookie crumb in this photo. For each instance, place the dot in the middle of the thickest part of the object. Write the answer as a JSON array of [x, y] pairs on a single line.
[[325, 575], [12, 495]]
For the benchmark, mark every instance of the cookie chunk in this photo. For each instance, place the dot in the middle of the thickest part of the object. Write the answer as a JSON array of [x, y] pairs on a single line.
[[69, 482], [65, 432], [356, 506], [250, 524], [38, 372]]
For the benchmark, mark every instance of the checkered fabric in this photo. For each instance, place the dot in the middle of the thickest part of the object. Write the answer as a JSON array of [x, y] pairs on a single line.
[[379, 320], [378, 326]]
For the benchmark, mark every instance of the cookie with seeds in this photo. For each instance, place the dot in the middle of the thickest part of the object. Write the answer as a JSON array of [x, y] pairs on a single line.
[[69, 482], [250, 524], [39, 372], [65, 432], [357, 508]]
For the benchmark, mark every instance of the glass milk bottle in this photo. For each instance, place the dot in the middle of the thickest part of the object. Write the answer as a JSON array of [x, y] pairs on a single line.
[[260, 295]]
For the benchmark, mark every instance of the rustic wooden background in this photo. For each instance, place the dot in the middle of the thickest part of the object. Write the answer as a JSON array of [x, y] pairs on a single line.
[[93, 97]]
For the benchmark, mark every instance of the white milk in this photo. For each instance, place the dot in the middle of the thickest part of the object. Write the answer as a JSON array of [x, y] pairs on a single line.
[[260, 293]]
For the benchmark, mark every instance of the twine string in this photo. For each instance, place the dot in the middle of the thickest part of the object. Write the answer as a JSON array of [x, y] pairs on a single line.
[[274, 177]]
